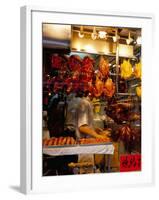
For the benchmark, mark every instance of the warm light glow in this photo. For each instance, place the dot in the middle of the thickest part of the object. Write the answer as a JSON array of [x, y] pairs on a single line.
[[126, 50], [92, 46], [78, 46], [102, 34], [89, 48]]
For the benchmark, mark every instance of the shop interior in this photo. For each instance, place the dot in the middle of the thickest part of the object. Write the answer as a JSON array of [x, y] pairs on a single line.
[[102, 64]]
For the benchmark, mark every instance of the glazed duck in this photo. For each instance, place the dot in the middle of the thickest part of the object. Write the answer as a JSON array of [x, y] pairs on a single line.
[[98, 88], [137, 71], [109, 88], [104, 67], [126, 69]]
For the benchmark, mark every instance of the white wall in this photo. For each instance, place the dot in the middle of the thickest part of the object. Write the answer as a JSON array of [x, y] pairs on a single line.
[[9, 88]]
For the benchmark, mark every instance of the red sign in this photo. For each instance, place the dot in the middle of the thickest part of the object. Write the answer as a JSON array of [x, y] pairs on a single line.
[[130, 162]]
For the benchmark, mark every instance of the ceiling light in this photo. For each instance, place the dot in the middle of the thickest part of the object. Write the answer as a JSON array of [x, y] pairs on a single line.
[[129, 40], [81, 34], [116, 37], [102, 34], [138, 40], [94, 34], [135, 42]]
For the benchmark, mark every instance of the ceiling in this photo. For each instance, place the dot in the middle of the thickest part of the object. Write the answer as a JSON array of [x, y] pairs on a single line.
[[56, 31], [122, 32], [58, 36]]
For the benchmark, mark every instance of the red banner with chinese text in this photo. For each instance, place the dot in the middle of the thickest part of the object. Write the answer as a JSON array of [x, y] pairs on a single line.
[[130, 162]]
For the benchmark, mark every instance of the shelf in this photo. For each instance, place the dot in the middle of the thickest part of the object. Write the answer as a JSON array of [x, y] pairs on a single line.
[[135, 85], [126, 94], [102, 53]]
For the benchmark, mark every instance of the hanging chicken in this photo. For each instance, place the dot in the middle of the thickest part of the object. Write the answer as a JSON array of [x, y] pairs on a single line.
[[130, 136], [104, 66], [137, 71], [98, 88], [126, 69], [109, 88], [125, 133], [138, 91]]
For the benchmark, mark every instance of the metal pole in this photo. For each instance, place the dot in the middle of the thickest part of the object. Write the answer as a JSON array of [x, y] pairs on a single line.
[[117, 64]]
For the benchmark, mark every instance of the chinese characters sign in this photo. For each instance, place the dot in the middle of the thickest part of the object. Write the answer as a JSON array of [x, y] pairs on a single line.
[[130, 163]]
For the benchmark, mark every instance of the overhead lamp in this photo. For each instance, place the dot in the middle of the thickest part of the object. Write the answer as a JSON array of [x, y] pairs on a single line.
[[81, 34], [116, 37], [94, 34], [138, 40], [135, 42], [102, 34], [129, 40]]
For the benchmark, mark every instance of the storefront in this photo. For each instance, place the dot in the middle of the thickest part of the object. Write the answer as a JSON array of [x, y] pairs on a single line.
[[91, 98]]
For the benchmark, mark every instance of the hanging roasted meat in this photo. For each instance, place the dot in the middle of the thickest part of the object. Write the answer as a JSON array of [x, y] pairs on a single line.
[[138, 91], [126, 69], [109, 88], [120, 112], [134, 116], [68, 84], [87, 69], [130, 136], [98, 87], [125, 133], [137, 70], [104, 66], [56, 61], [74, 63], [86, 74], [76, 75], [87, 61]]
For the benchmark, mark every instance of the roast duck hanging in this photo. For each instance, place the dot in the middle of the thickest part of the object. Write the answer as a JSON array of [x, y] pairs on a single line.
[[126, 69], [104, 67], [109, 88], [137, 70], [75, 73]]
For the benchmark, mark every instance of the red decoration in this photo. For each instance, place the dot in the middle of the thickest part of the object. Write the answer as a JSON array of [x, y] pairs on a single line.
[[131, 162], [56, 61]]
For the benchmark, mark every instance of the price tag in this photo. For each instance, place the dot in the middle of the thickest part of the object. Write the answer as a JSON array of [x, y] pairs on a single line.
[[130, 163]]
